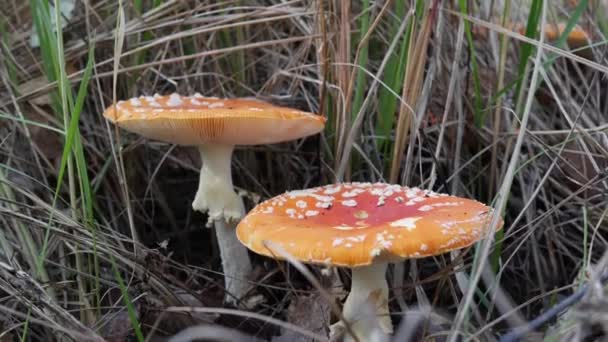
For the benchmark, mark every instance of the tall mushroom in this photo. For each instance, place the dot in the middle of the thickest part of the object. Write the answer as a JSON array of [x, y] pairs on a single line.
[[363, 226], [215, 126]]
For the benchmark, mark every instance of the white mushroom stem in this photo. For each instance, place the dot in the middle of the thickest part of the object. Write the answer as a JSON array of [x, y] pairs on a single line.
[[215, 193], [225, 208], [366, 307]]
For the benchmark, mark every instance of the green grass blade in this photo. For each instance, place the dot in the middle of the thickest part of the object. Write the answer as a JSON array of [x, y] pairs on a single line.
[[48, 45], [138, 6], [74, 132], [127, 300], [526, 48], [26, 325], [48, 49]]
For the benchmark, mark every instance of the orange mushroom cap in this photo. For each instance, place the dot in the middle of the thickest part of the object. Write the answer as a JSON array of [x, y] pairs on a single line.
[[196, 120], [577, 37], [357, 224]]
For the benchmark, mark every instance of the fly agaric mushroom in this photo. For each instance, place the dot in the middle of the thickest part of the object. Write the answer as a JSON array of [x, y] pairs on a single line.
[[215, 126], [364, 226]]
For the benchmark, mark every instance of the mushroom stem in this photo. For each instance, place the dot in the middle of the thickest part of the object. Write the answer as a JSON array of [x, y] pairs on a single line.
[[215, 193], [235, 261], [369, 287], [216, 196]]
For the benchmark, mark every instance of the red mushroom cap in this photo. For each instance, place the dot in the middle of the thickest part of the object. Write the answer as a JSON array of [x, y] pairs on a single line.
[[357, 224], [196, 120]]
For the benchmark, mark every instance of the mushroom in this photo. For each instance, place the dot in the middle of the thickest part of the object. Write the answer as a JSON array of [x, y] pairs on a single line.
[[215, 126], [577, 37], [363, 226]]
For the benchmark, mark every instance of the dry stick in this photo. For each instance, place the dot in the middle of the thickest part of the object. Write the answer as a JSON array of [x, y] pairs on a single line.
[[502, 195], [348, 145]]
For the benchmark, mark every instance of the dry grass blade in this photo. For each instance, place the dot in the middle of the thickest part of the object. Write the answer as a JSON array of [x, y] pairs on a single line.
[[118, 156], [497, 114], [354, 130], [342, 64], [412, 87]]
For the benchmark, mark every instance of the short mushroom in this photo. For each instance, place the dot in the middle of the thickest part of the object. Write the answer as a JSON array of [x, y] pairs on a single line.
[[364, 226], [215, 126]]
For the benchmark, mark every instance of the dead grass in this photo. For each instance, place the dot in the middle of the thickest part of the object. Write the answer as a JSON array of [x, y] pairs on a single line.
[[542, 155]]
